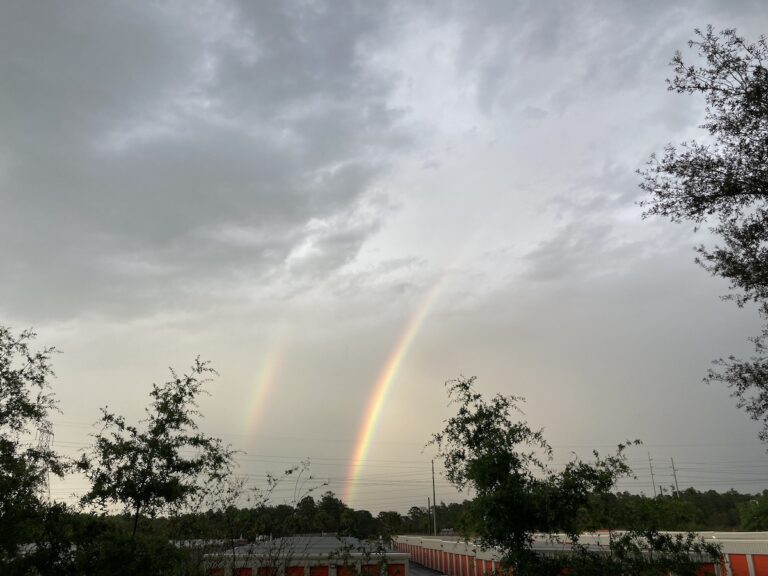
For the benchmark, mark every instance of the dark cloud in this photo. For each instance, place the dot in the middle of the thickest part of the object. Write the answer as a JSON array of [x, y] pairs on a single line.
[[150, 149]]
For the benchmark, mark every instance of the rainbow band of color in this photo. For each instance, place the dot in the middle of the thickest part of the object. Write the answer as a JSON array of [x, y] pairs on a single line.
[[383, 385], [265, 380]]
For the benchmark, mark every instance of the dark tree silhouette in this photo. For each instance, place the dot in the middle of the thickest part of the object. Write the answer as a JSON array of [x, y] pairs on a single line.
[[161, 466], [506, 463], [723, 182], [25, 407]]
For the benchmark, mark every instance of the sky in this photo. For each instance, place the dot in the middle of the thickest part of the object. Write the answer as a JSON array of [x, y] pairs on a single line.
[[341, 205]]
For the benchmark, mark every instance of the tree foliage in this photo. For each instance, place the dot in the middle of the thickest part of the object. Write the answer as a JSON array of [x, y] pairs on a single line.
[[161, 465], [723, 182], [520, 497], [26, 404], [153, 484]]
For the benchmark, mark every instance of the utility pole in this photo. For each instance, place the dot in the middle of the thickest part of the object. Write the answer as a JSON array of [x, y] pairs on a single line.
[[674, 473], [429, 514], [44, 439], [434, 498], [653, 480]]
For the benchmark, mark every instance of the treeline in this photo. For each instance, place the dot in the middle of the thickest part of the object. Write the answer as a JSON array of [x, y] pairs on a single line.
[[325, 515], [105, 540], [690, 510]]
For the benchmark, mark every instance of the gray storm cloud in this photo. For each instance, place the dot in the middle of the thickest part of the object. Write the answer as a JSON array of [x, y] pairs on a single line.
[[142, 141]]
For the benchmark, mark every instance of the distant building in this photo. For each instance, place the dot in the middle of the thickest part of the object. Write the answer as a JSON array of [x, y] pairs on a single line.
[[308, 555], [744, 553]]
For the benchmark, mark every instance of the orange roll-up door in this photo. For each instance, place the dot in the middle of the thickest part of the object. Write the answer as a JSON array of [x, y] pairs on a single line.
[[739, 564]]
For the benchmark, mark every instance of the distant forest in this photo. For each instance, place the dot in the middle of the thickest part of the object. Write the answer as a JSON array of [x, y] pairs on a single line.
[[690, 510]]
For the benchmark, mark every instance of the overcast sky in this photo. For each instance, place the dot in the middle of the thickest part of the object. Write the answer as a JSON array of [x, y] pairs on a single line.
[[279, 186]]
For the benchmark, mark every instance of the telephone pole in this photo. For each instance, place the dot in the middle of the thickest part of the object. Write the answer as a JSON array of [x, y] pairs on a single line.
[[44, 439], [653, 480], [434, 498], [674, 473], [429, 514]]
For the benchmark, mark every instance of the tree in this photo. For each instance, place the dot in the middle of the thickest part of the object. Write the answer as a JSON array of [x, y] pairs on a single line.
[[723, 182], [391, 522], [330, 510], [518, 495], [359, 524], [418, 521], [163, 465], [25, 407], [754, 513], [306, 515]]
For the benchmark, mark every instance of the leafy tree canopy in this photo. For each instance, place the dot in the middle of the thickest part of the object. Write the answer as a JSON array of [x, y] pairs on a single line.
[[506, 463], [723, 181], [25, 407], [162, 465]]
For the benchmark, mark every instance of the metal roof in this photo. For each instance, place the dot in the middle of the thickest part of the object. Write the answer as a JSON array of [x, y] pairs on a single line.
[[313, 545]]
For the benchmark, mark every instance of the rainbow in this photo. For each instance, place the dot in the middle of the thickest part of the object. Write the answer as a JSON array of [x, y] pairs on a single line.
[[383, 385], [265, 380]]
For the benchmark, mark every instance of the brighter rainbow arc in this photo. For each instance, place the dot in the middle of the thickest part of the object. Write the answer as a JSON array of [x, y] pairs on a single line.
[[383, 385]]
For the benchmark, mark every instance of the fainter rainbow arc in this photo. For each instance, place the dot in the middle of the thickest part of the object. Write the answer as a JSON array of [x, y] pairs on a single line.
[[265, 380]]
